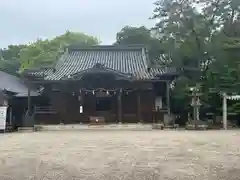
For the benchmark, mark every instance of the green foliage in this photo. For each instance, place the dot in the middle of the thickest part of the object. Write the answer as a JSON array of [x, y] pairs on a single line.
[[10, 67], [133, 35], [16, 58], [46, 52], [203, 37], [143, 36], [9, 59], [12, 52]]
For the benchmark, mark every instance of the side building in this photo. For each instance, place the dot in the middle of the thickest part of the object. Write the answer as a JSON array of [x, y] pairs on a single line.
[[14, 95], [115, 84]]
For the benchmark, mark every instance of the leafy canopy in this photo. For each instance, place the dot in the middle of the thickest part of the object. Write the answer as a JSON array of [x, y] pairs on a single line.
[[46, 52]]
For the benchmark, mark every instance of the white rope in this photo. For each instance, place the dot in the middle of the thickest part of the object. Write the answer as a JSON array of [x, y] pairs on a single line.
[[235, 97]]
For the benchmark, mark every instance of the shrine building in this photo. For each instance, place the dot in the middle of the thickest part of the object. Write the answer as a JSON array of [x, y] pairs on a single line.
[[113, 84]]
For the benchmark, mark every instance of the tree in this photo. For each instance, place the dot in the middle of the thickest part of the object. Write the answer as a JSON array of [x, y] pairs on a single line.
[[9, 58], [46, 52], [183, 32], [223, 74], [193, 33], [141, 35], [10, 67], [188, 28]]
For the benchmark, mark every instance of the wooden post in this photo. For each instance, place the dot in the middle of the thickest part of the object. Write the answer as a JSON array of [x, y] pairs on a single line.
[[29, 102], [10, 115], [139, 106], [81, 108], [168, 97], [28, 121], [120, 106], [224, 109]]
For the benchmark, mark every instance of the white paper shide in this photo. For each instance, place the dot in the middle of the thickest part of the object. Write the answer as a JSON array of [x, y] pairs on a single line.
[[81, 109]]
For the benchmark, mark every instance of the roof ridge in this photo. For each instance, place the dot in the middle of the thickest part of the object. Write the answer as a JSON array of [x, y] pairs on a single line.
[[106, 47]]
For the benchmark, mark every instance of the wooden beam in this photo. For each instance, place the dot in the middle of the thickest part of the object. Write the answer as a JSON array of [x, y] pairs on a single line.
[[143, 84]]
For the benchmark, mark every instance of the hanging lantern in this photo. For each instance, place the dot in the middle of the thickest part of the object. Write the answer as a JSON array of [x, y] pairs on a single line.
[[93, 92], [107, 93]]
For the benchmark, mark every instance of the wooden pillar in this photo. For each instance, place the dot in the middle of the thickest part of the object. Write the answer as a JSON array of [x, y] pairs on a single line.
[[168, 97], [29, 102], [28, 117], [81, 108], [10, 115], [139, 106], [120, 106]]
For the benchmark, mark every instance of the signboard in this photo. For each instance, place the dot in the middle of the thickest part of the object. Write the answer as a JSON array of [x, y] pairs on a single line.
[[3, 117]]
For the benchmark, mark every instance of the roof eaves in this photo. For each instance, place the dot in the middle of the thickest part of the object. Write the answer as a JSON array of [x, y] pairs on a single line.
[[38, 72]]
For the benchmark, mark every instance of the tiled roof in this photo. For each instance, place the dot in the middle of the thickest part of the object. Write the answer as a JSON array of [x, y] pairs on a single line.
[[124, 59], [13, 84]]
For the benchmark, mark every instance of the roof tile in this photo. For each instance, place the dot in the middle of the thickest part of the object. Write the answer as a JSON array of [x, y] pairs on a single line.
[[14, 84], [125, 59]]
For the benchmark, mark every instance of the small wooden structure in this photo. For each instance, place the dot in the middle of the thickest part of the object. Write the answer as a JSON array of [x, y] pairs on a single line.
[[14, 95], [116, 83]]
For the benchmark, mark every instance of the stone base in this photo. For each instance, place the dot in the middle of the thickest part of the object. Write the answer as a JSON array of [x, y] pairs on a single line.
[[37, 128], [196, 127], [25, 129], [162, 126], [133, 127], [158, 126]]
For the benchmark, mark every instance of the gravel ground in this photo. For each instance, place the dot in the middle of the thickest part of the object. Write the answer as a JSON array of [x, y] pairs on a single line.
[[124, 155]]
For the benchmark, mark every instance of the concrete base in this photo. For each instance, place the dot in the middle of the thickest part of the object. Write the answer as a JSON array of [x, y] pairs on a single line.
[[136, 127], [25, 129]]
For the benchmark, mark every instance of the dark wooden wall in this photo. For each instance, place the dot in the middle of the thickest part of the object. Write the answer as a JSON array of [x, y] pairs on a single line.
[[130, 106], [147, 105], [67, 108]]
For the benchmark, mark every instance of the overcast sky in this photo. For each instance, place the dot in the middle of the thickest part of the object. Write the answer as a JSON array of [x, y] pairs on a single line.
[[26, 20]]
